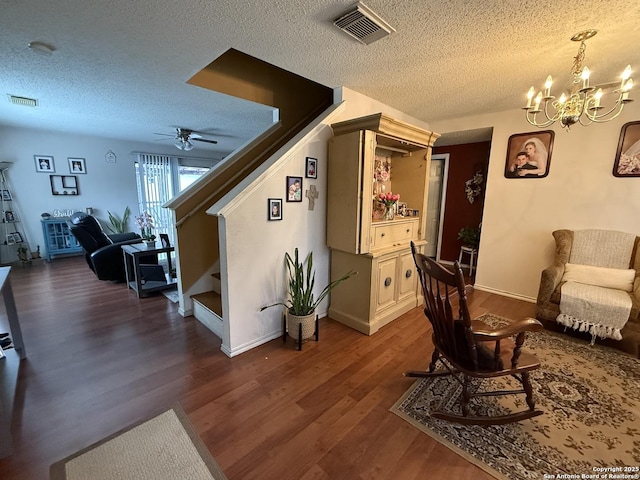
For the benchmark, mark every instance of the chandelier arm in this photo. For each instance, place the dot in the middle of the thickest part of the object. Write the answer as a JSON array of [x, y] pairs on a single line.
[[534, 122], [604, 117]]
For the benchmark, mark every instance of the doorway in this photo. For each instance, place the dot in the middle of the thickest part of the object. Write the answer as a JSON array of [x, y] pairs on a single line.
[[435, 202]]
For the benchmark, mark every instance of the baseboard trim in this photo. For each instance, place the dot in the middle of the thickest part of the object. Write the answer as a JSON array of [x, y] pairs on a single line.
[[505, 293]]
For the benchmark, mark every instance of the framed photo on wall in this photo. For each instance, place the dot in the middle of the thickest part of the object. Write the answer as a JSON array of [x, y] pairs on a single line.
[[44, 164], [77, 165], [311, 170], [627, 163], [274, 206], [6, 195], [529, 154], [294, 189]]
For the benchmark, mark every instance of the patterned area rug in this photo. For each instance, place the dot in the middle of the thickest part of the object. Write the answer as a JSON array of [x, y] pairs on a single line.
[[165, 447], [590, 396]]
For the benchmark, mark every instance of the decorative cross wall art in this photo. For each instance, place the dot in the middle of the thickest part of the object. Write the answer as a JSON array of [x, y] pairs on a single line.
[[312, 194]]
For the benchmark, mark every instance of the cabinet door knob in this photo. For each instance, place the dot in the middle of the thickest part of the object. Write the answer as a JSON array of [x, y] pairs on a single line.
[[408, 230], [382, 234], [387, 281], [408, 273]]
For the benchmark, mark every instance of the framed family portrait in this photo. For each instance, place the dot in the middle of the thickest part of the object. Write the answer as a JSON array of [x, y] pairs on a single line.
[[311, 170], [274, 206], [77, 165], [44, 164], [6, 195], [294, 189], [10, 239], [627, 162], [529, 154], [9, 216]]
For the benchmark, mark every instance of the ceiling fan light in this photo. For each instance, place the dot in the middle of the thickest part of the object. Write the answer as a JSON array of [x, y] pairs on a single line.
[[188, 145], [178, 145]]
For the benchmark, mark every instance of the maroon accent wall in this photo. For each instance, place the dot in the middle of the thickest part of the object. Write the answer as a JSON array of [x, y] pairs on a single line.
[[464, 161]]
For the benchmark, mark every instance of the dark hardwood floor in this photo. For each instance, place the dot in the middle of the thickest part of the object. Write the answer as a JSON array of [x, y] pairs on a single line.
[[100, 359]]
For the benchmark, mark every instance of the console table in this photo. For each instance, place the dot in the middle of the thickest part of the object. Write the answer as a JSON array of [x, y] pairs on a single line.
[[132, 255], [9, 365]]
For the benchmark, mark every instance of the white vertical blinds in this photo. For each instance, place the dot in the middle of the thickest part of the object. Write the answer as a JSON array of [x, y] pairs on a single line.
[[155, 187]]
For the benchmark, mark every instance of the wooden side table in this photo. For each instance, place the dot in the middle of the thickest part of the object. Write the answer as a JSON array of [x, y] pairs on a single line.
[[132, 255]]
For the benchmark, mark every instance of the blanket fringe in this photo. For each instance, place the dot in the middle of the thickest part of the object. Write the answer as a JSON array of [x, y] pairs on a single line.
[[595, 329]]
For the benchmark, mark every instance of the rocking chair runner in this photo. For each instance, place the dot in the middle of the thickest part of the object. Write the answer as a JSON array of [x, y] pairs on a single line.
[[460, 344]]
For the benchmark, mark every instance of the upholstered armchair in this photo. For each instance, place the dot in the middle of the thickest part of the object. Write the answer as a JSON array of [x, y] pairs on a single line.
[[103, 252], [601, 261]]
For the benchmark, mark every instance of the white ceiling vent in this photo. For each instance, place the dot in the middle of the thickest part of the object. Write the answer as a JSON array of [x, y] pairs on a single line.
[[24, 101], [363, 25]]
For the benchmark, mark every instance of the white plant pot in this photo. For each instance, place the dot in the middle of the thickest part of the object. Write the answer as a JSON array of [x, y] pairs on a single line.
[[308, 325]]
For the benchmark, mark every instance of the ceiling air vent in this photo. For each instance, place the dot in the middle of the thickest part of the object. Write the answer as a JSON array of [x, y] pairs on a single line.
[[363, 25], [24, 101]]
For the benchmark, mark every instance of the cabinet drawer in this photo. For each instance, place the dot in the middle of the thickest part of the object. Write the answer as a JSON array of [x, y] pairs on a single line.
[[392, 233]]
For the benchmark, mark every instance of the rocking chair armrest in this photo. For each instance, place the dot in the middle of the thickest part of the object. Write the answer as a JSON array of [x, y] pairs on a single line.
[[525, 325]]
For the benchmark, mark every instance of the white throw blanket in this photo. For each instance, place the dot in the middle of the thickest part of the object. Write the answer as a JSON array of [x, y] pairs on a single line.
[[600, 311]]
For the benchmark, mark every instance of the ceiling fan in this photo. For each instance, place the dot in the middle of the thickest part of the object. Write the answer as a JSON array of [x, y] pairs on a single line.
[[185, 137]]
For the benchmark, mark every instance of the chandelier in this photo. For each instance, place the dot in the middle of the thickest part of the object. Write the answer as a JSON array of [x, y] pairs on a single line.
[[582, 103]]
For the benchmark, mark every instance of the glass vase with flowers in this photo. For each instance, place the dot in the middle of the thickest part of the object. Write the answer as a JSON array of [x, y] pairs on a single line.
[[389, 200]]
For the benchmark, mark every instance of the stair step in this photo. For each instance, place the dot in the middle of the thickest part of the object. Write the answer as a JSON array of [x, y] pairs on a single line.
[[211, 300]]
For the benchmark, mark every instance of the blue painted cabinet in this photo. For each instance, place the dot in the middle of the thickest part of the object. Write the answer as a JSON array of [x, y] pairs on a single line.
[[58, 239]]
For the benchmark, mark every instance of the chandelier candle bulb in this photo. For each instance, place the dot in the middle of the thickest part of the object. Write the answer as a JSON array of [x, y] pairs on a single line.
[[530, 95], [547, 86], [585, 77], [597, 98], [538, 100]]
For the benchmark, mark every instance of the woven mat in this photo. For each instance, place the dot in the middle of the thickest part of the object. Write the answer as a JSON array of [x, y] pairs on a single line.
[[165, 447], [590, 396]]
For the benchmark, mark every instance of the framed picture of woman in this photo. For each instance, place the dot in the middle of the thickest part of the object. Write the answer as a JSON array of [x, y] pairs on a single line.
[[529, 154], [627, 163]]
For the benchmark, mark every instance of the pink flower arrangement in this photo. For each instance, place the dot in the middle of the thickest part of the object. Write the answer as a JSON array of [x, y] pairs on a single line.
[[389, 199]]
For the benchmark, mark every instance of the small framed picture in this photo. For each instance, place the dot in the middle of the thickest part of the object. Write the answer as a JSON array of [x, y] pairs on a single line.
[[6, 195], [627, 163], [294, 189], [312, 168], [9, 216], [10, 239], [529, 154], [164, 240], [274, 206], [77, 165], [17, 238], [44, 164]]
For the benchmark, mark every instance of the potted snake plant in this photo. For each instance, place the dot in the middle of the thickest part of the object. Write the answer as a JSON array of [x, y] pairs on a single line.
[[301, 304]]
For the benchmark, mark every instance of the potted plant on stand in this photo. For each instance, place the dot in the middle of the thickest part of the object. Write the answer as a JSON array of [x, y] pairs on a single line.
[[301, 306]]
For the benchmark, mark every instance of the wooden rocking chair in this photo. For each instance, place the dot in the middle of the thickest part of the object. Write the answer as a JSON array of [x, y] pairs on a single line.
[[460, 345]]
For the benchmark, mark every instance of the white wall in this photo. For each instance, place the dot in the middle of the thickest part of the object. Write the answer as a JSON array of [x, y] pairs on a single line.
[[252, 257], [519, 214], [106, 186]]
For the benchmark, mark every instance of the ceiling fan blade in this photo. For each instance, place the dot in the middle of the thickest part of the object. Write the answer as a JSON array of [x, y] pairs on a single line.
[[202, 140], [166, 134]]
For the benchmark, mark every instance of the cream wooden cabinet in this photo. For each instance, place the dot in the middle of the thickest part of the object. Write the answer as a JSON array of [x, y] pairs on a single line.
[[367, 156]]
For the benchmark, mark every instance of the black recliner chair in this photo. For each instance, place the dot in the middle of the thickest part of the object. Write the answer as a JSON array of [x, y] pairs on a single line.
[[102, 251]]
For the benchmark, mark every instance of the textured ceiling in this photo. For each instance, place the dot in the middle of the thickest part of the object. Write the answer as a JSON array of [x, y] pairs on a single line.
[[120, 67]]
